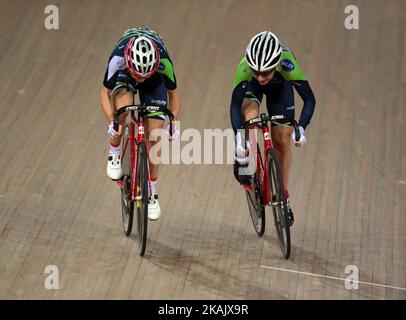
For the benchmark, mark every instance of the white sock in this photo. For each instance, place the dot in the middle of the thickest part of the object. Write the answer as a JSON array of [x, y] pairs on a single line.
[[152, 185], [114, 149]]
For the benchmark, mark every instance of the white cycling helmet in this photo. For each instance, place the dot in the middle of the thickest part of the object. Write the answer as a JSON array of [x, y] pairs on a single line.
[[141, 56], [264, 51]]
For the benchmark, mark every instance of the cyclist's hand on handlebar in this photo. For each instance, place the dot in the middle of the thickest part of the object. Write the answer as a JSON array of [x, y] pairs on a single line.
[[175, 134], [302, 141], [113, 133]]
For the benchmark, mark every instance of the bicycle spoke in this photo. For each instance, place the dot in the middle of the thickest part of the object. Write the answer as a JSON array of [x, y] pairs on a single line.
[[127, 206], [257, 210]]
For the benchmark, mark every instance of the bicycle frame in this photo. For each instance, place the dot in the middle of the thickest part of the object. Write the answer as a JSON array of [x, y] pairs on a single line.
[[262, 167], [134, 152], [136, 141]]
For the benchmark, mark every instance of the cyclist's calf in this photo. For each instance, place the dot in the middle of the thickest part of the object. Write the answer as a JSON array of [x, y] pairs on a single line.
[[281, 140]]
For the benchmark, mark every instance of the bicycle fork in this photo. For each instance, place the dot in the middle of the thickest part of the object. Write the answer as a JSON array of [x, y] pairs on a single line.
[[135, 151]]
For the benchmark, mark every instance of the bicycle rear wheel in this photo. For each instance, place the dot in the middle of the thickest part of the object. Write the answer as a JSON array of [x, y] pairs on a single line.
[[127, 205], [142, 197], [279, 204]]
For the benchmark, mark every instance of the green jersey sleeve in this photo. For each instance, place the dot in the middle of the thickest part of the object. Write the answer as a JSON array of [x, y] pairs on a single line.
[[243, 73], [167, 70], [289, 68]]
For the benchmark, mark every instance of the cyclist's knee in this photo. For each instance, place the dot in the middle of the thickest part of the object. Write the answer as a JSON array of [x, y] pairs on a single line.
[[122, 93], [122, 98], [154, 130], [281, 139]]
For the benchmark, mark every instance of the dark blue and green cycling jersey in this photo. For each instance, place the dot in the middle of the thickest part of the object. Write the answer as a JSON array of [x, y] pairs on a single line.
[[117, 75], [279, 91]]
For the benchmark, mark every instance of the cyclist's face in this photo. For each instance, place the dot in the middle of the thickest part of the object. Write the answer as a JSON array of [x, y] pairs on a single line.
[[264, 77], [138, 79]]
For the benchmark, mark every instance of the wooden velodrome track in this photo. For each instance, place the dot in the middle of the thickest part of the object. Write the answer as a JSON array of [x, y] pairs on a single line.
[[348, 186]]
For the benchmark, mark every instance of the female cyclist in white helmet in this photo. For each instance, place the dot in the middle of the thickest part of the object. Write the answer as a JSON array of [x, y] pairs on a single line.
[[269, 69], [263, 52]]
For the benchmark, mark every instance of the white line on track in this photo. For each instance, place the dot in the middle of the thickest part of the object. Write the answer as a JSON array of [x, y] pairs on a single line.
[[335, 278]]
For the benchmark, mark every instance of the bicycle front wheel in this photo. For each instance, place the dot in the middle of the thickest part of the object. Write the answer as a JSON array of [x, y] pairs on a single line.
[[279, 204], [127, 205], [142, 197], [257, 210]]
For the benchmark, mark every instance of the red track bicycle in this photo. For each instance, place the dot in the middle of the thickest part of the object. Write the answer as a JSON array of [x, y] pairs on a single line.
[[134, 183], [266, 184]]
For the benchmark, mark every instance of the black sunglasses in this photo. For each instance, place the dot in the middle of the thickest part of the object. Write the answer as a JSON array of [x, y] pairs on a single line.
[[263, 73]]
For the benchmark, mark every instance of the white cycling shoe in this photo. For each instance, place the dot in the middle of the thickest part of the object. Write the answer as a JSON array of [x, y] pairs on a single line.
[[114, 170], [154, 210]]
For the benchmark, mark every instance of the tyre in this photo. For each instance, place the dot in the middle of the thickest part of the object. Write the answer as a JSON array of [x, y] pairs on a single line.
[[257, 210], [127, 205], [141, 202]]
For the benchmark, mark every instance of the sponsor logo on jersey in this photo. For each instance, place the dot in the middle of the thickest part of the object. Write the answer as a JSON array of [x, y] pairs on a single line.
[[287, 65], [158, 102], [267, 136], [161, 66]]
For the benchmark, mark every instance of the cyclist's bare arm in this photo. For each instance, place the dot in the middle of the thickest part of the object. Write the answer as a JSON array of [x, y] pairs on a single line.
[[174, 103], [106, 106]]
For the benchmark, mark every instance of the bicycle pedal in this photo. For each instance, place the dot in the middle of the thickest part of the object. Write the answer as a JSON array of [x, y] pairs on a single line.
[[247, 187], [138, 202], [120, 183]]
